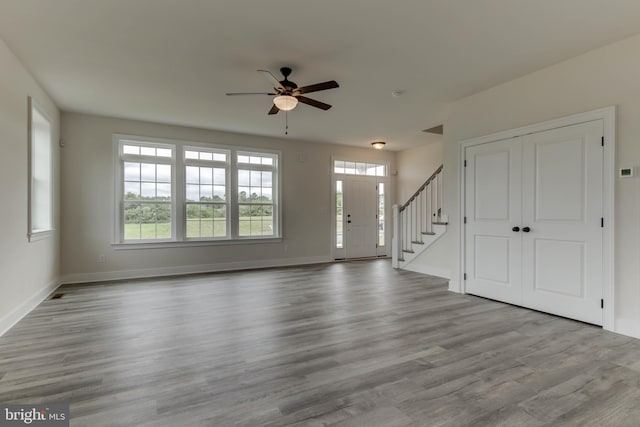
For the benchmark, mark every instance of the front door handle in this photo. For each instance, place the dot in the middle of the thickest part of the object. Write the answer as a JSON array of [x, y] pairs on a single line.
[[526, 229]]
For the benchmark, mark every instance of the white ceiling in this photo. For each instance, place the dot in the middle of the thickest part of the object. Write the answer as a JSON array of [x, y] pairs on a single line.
[[172, 61]]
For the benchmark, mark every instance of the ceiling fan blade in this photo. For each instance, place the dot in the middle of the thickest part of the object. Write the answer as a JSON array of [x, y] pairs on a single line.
[[271, 79], [250, 93], [313, 103], [318, 87], [274, 110]]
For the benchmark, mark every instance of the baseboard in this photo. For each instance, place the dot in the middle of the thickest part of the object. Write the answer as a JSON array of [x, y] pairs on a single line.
[[454, 286], [189, 269], [627, 327], [9, 320], [426, 269]]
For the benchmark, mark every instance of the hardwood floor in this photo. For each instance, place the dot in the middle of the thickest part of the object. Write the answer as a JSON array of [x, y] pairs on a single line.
[[345, 344]]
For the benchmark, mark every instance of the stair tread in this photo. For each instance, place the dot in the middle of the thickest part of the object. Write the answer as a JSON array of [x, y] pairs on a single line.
[[416, 242], [409, 251], [440, 223], [428, 233]]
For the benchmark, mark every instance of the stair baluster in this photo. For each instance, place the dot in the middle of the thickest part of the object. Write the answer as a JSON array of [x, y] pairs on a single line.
[[415, 219]]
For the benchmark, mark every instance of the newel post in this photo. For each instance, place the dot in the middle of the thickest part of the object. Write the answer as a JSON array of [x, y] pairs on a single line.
[[396, 240]]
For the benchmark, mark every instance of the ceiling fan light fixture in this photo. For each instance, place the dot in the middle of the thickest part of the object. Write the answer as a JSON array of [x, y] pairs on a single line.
[[285, 102], [378, 145]]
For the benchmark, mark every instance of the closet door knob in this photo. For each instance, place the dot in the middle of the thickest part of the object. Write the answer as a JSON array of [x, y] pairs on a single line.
[[516, 229], [526, 229]]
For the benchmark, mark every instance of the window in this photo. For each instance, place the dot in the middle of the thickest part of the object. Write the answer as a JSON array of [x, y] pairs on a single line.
[[255, 194], [206, 193], [40, 171], [147, 179], [169, 191], [359, 168], [381, 214], [339, 211]]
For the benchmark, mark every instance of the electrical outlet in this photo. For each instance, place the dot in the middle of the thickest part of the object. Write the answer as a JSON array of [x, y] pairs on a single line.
[[101, 258]]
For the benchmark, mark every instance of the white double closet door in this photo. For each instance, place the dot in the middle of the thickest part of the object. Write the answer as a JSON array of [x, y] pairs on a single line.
[[533, 206]]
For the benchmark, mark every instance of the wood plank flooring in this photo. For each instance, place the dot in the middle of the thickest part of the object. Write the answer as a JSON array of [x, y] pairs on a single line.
[[344, 344]]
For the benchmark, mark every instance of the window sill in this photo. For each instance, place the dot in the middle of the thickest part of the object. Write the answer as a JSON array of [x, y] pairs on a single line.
[[40, 235], [193, 243]]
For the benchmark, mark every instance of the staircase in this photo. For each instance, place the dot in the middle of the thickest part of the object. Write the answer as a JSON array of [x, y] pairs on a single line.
[[418, 223]]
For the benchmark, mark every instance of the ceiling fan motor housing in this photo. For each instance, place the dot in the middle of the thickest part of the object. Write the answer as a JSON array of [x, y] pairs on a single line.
[[288, 85]]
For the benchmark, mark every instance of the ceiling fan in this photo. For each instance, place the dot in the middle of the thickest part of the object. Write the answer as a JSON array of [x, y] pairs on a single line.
[[287, 94]]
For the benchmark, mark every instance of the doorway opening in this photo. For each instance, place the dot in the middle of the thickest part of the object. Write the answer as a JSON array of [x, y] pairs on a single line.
[[360, 210]]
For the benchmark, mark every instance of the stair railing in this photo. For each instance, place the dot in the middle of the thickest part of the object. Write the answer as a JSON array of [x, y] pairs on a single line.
[[416, 217]]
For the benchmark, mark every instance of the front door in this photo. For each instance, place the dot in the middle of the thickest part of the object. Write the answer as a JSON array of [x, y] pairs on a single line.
[[360, 220]]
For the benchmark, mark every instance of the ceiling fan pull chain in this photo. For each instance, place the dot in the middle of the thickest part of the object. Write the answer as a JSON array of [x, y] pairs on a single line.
[[286, 123]]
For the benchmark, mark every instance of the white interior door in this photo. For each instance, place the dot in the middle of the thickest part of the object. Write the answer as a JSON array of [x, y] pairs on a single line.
[[534, 207], [360, 216], [493, 207], [562, 208]]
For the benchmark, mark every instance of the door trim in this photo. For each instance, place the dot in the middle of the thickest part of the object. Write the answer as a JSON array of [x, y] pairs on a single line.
[[383, 252], [608, 116]]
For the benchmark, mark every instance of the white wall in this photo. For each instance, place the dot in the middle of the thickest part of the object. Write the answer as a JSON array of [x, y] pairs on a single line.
[[28, 271], [600, 78], [88, 203], [416, 165]]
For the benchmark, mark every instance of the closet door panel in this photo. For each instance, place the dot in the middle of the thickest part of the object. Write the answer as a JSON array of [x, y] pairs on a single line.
[[493, 208], [562, 208]]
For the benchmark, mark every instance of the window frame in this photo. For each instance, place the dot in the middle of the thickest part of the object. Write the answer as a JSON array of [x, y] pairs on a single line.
[[386, 179], [275, 190], [355, 164], [39, 234], [120, 160], [228, 199], [179, 202]]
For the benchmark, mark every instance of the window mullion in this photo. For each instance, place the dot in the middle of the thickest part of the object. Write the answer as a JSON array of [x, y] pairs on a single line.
[[146, 159], [179, 199], [205, 163], [233, 197]]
